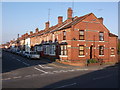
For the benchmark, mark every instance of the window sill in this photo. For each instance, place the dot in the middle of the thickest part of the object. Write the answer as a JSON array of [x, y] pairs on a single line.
[[101, 41], [101, 55], [82, 56], [52, 54], [63, 55], [81, 40], [112, 55], [63, 40]]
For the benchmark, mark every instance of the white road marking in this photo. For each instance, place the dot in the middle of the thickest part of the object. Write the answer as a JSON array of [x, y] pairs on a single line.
[[6, 79], [101, 77], [40, 70], [28, 76], [42, 66], [55, 71], [23, 62], [26, 63], [17, 77], [71, 70], [65, 85]]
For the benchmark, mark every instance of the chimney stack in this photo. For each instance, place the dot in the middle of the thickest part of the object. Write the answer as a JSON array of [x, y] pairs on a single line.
[[31, 32], [60, 20], [47, 25], [26, 34], [69, 14], [36, 30], [101, 20]]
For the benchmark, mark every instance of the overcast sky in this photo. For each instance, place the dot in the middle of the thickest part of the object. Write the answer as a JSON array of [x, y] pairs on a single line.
[[22, 17]]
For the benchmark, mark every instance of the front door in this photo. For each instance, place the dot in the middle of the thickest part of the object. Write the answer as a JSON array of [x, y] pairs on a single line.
[[91, 51]]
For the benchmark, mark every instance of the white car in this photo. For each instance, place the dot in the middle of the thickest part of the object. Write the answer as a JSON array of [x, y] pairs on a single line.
[[33, 55]]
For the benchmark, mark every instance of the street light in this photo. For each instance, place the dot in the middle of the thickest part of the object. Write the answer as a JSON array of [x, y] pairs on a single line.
[[18, 42]]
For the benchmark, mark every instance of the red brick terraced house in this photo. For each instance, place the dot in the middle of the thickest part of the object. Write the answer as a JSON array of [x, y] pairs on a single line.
[[76, 40]]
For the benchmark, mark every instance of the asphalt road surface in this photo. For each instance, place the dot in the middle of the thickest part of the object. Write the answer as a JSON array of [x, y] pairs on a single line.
[[20, 72]]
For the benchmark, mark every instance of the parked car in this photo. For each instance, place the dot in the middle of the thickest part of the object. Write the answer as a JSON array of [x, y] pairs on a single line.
[[33, 55], [23, 53], [18, 52]]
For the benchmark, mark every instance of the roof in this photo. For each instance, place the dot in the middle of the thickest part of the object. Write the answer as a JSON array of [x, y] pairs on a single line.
[[69, 24], [112, 35]]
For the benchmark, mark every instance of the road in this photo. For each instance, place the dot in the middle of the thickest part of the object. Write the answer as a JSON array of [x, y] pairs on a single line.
[[19, 72]]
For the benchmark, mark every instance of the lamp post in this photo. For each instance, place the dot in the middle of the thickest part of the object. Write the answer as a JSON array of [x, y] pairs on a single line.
[[18, 42]]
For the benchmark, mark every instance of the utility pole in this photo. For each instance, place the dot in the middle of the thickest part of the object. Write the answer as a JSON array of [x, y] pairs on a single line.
[[73, 7], [48, 14]]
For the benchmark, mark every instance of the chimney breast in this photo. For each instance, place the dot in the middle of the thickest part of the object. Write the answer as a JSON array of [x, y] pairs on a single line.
[[60, 20], [47, 25], [101, 20], [69, 14]]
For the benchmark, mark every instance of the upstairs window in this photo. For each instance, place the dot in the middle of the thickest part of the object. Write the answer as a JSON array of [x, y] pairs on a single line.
[[64, 35], [81, 34], [81, 50], [63, 49], [101, 36], [101, 50], [112, 51]]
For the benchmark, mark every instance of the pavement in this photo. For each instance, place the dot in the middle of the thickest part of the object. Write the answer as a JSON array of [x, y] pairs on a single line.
[[20, 72]]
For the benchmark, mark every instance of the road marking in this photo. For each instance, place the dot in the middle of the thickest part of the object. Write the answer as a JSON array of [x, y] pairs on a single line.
[[65, 85], [6, 79], [40, 70], [71, 70], [101, 77], [55, 71], [23, 62], [17, 77], [42, 66], [26, 63], [28, 76]]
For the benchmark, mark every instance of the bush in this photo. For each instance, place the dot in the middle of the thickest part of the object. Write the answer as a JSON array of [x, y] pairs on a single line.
[[92, 61]]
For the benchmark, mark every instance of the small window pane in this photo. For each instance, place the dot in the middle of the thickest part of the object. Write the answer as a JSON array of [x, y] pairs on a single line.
[[101, 50], [65, 52], [81, 47], [101, 36], [64, 33], [61, 47], [81, 32], [81, 52], [65, 47], [81, 37], [61, 52]]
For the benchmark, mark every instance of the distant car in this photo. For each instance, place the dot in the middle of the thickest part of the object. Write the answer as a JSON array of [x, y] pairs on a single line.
[[18, 52], [33, 55]]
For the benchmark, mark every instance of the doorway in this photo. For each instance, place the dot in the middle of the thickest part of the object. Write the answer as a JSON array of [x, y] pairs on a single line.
[[91, 51]]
